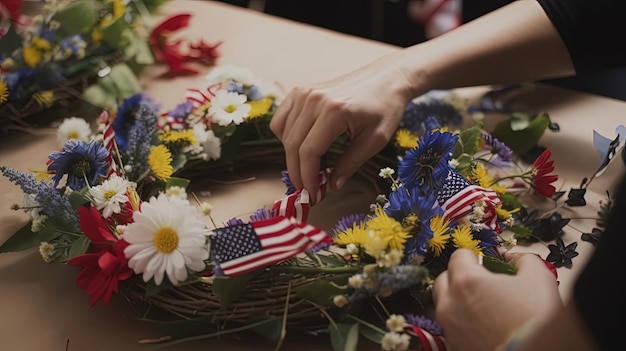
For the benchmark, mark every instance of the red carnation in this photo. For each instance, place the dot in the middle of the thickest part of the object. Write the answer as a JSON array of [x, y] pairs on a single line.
[[101, 270], [542, 181]]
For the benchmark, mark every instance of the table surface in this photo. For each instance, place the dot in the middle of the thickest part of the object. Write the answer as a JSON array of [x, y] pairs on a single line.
[[42, 309]]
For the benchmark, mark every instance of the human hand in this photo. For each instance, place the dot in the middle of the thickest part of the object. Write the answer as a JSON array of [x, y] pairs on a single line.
[[478, 309], [366, 104]]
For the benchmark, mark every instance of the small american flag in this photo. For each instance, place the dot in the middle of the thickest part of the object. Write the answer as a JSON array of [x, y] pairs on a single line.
[[429, 341], [243, 248], [297, 204], [108, 140], [457, 196]]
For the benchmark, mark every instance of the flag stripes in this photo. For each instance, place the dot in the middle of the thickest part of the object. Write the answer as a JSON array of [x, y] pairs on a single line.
[[429, 341], [297, 204]]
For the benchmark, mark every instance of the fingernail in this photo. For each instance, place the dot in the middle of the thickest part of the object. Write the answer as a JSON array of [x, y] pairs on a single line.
[[340, 182]]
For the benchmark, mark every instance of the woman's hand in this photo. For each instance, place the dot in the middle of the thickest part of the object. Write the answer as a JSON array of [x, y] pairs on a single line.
[[478, 309], [366, 104]]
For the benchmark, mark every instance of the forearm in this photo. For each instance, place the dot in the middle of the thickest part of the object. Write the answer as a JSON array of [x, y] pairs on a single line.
[[516, 43]]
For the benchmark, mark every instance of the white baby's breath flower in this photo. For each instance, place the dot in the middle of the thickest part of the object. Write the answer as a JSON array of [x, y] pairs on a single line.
[[229, 107], [454, 163], [32, 207], [396, 323], [206, 208], [340, 300], [168, 236], [356, 281], [212, 146], [128, 168], [352, 249], [37, 224], [109, 195], [73, 128], [176, 191], [395, 342], [46, 250], [392, 258], [386, 172]]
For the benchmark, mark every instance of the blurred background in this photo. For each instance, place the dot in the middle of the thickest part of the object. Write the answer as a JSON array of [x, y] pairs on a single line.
[[408, 22]]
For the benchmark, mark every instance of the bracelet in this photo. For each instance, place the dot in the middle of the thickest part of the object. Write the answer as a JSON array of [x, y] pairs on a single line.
[[514, 341]]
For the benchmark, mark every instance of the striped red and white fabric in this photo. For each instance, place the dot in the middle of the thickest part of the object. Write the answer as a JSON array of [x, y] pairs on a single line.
[[199, 97], [437, 16], [297, 204], [242, 248], [429, 341], [108, 140]]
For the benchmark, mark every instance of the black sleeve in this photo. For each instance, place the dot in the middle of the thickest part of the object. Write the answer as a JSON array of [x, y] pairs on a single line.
[[598, 292], [594, 31]]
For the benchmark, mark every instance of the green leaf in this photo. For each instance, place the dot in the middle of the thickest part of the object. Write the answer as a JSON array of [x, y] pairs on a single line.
[[79, 247], [78, 197], [79, 17], [100, 96], [519, 121], [522, 141], [175, 181], [124, 81], [322, 291], [229, 289], [510, 201], [498, 266], [113, 34], [179, 161], [345, 337], [25, 239], [10, 42], [272, 330], [468, 142], [521, 232], [372, 334]]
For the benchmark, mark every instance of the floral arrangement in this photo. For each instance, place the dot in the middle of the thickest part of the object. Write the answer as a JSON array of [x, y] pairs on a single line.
[[114, 204], [69, 51]]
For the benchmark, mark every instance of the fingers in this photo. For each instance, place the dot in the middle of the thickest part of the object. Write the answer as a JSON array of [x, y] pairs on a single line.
[[528, 263], [440, 287]]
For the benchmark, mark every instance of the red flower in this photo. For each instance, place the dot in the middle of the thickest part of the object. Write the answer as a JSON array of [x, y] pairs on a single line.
[[172, 53], [542, 181], [101, 270]]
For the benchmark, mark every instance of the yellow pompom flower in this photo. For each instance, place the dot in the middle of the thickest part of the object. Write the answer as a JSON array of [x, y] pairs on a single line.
[[179, 136], [33, 53], [44, 98], [118, 8], [504, 214], [405, 139], [159, 161], [259, 108], [462, 238], [356, 235], [441, 228], [484, 179], [4, 92], [388, 229]]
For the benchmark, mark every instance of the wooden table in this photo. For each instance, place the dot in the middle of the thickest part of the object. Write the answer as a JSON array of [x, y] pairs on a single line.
[[41, 308]]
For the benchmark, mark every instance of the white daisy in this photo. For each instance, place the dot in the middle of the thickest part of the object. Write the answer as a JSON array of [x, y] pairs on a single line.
[[168, 236], [229, 107], [109, 195], [73, 128]]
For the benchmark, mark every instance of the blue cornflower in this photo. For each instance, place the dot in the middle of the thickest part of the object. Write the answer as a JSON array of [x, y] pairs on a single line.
[[427, 165], [139, 108], [431, 123], [414, 211], [84, 163], [415, 115], [499, 148], [53, 203], [235, 87], [72, 44], [348, 222], [263, 214], [284, 177], [425, 323], [488, 239]]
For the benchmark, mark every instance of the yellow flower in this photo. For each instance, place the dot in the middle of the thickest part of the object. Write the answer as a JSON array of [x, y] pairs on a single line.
[[388, 229], [375, 245], [33, 52], [118, 8], [356, 235], [159, 161], [179, 136], [484, 179], [405, 139], [259, 107], [40, 174], [440, 227], [462, 238], [133, 197], [44, 98], [4, 92], [504, 214], [41, 44]]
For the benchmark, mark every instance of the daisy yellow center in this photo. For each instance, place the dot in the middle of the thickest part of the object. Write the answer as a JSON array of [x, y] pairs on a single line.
[[73, 135], [166, 240], [230, 108], [109, 194]]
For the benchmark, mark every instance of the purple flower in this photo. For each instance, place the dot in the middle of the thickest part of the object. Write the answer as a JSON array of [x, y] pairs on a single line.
[[499, 148], [263, 214], [234, 221], [425, 323], [139, 109], [284, 177], [84, 163], [348, 222]]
